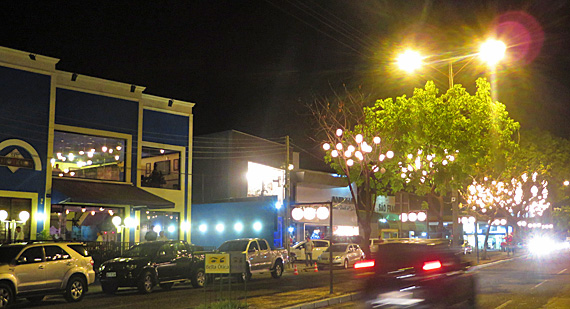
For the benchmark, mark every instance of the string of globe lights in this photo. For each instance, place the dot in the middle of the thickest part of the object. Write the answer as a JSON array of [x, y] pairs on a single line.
[[356, 150], [510, 196]]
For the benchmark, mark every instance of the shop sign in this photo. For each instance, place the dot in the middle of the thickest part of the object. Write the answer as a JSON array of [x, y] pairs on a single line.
[[14, 161], [217, 263]]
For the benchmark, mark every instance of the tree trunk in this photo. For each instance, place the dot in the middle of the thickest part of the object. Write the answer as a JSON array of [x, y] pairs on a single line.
[[487, 236], [364, 210]]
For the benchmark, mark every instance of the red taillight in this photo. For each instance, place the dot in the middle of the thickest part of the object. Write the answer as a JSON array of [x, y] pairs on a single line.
[[91, 261], [364, 264], [431, 265]]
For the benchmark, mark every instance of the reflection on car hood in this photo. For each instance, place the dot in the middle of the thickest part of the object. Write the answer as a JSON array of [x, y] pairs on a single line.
[[124, 260]]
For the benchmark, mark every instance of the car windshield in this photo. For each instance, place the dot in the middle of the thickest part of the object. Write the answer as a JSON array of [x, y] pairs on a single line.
[[336, 248], [7, 254], [233, 245], [142, 250]]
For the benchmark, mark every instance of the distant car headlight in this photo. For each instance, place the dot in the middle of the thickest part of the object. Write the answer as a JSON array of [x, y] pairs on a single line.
[[101, 268], [541, 246]]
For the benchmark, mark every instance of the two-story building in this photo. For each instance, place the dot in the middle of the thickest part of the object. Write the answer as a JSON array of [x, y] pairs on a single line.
[[76, 151]]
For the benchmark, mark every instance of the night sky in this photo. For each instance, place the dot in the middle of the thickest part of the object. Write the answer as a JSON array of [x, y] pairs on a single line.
[[253, 66]]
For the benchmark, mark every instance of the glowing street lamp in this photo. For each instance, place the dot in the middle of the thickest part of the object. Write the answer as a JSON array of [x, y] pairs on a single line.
[[492, 51]]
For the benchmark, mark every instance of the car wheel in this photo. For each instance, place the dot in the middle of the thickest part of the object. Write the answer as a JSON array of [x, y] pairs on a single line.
[[6, 295], [246, 276], [166, 286], [277, 270], [199, 278], [109, 288], [146, 283], [35, 299], [75, 289], [346, 264]]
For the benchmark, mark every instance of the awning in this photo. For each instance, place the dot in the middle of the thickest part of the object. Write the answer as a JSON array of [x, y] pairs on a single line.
[[77, 192]]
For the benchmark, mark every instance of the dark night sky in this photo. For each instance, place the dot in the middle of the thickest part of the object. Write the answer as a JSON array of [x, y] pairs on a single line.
[[254, 65]]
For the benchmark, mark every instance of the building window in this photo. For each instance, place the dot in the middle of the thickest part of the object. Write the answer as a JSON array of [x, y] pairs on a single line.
[[88, 156], [160, 168], [160, 222]]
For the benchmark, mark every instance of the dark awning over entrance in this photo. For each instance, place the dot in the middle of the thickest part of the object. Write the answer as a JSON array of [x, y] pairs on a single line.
[[76, 192]]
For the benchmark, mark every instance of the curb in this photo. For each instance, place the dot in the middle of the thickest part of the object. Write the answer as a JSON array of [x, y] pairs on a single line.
[[327, 301]]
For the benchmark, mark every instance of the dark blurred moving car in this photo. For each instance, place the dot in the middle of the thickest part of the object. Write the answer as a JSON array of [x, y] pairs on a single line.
[[157, 262], [418, 274]]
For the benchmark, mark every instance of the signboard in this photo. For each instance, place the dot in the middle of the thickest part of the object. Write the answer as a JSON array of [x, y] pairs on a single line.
[[217, 263], [237, 263]]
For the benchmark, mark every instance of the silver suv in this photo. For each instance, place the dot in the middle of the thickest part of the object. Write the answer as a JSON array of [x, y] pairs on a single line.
[[33, 270]]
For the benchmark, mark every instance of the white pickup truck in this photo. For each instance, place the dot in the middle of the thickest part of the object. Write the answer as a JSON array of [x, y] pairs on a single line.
[[259, 256]]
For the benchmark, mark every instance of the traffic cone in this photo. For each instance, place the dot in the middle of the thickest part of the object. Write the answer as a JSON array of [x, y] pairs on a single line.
[[295, 272], [316, 268]]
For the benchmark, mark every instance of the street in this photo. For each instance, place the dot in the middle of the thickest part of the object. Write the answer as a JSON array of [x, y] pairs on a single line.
[[522, 282]]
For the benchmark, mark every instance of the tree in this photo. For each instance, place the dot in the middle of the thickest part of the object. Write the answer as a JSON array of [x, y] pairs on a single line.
[[442, 140]]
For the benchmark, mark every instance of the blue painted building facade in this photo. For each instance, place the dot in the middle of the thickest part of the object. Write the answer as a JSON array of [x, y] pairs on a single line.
[[76, 151]]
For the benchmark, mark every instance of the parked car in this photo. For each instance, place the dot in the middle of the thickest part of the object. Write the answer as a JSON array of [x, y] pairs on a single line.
[[297, 252], [260, 258], [148, 264], [344, 255], [33, 270], [418, 274]]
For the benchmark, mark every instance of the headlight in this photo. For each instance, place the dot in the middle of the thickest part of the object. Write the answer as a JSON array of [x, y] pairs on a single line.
[[101, 268]]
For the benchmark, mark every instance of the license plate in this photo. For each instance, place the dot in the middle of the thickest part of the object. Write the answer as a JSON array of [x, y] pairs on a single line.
[[111, 274]]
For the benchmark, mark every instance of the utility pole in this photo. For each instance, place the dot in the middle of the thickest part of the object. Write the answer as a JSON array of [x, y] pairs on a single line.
[[287, 201]]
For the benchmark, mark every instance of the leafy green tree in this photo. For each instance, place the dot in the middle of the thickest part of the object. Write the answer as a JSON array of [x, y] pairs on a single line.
[[441, 140]]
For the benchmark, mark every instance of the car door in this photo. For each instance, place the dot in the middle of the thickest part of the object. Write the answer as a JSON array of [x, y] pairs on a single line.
[[183, 261], [165, 263], [300, 251], [352, 253], [264, 255], [320, 247], [252, 255], [30, 270], [58, 263]]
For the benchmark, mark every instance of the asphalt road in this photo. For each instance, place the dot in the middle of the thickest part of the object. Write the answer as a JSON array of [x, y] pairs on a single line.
[[260, 291]]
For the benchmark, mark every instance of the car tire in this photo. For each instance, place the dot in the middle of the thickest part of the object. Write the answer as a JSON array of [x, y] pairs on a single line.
[[145, 283], [199, 278], [35, 299], [109, 288], [166, 286], [75, 290], [6, 295], [246, 276], [346, 264], [277, 270]]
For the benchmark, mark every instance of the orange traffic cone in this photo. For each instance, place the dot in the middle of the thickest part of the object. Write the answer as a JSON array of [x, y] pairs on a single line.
[[295, 272], [316, 268]]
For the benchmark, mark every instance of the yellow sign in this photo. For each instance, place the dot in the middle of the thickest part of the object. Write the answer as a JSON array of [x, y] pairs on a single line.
[[217, 263]]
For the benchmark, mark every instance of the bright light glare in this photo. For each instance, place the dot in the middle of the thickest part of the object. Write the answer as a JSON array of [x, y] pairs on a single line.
[[541, 246], [203, 228], [220, 227], [257, 226], [116, 221], [24, 216], [171, 229], [409, 61], [157, 228], [492, 51], [238, 227]]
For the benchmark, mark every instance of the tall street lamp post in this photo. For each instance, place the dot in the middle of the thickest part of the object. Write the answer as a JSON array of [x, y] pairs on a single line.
[[491, 52]]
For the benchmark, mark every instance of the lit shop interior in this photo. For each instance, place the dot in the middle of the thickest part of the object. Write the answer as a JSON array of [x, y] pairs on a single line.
[[90, 157]]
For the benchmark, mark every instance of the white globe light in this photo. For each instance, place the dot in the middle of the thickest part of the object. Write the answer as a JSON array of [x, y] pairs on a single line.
[[404, 217], [309, 213], [413, 217], [376, 140], [389, 154], [349, 162], [471, 220], [464, 220], [3, 215], [322, 213], [326, 146], [358, 138], [503, 221], [338, 132], [334, 153], [238, 227], [171, 229], [409, 61], [422, 216], [297, 213], [116, 221], [24, 216], [157, 228], [257, 226], [203, 228], [220, 227]]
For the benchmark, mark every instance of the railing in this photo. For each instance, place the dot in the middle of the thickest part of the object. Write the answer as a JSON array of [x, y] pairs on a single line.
[[102, 251]]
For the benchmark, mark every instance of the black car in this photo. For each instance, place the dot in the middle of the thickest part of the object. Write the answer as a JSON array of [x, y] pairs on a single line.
[[418, 274], [157, 262]]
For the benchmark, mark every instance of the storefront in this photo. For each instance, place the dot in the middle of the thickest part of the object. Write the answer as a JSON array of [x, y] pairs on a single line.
[[83, 156]]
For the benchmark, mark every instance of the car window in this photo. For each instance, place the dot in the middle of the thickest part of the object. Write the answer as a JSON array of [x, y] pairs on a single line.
[[253, 246], [32, 255], [81, 249], [262, 245], [320, 244], [7, 254], [181, 249], [56, 253], [166, 250]]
